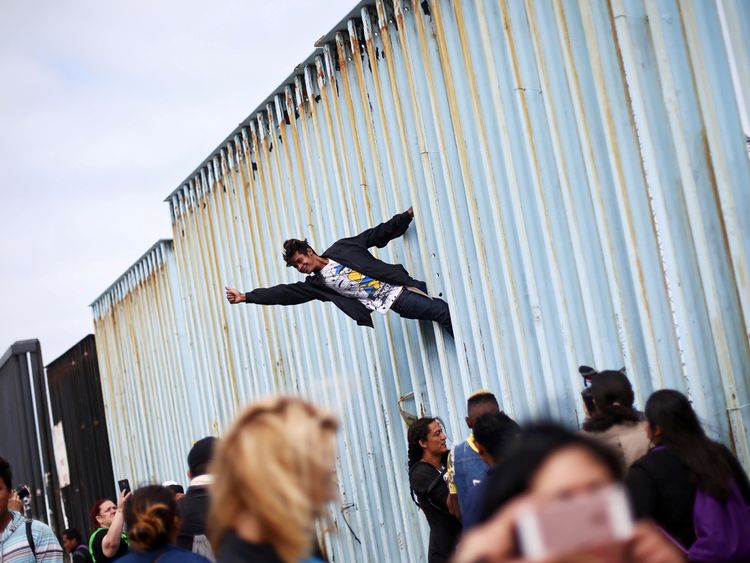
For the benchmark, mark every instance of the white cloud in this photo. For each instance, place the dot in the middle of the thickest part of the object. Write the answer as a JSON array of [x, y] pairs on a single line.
[[105, 108]]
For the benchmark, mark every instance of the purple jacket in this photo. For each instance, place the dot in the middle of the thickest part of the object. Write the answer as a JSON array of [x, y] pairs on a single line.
[[722, 529]]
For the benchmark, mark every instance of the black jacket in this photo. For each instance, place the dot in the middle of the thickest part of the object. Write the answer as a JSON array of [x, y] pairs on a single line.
[[351, 252], [193, 511], [236, 550], [661, 488], [81, 554]]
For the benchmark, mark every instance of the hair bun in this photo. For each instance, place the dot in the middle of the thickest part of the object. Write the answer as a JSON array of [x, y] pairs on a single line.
[[149, 529]]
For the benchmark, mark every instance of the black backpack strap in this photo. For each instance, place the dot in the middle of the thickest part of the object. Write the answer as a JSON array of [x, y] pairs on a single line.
[[430, 487], [30, 538]]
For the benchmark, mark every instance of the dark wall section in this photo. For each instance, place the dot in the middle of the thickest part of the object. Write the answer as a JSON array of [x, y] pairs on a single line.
[[25, 435], [76, 396]]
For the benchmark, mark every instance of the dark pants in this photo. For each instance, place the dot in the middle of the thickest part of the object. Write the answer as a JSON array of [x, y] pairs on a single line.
[[412, 305]]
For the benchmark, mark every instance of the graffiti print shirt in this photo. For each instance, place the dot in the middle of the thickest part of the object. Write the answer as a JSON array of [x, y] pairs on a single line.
[[373, 294]]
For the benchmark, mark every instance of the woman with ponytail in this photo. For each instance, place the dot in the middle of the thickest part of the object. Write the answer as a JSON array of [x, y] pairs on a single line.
[[612, 418], [684, 473], [153, 524]]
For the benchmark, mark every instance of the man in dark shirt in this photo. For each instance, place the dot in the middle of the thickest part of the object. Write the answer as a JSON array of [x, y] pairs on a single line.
[[433, 500], [194, 505], [493, 432], [427, 480], [72, 542], [353, 279]]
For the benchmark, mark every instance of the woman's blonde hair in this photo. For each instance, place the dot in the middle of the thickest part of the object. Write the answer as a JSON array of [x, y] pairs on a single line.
[[275, 465]]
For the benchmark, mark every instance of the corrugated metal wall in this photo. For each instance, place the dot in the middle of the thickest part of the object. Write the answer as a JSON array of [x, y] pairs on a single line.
[[76, 399], [25, 430], [581, 194], [147, 397]]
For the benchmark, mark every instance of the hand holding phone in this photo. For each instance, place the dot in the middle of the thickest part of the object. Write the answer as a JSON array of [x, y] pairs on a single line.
[[124, 486], [586, 521], [494, 540]]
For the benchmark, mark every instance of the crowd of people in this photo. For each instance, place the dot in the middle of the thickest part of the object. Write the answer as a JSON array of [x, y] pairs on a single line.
[[255, 495], [679, 482], [629, 486]]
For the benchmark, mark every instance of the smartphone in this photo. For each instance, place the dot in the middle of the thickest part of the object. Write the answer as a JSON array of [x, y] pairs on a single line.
[[124, 485], [23, 491], [578, 523]]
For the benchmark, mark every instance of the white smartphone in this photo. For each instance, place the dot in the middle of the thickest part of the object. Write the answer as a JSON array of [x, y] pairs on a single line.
[[580, 522]]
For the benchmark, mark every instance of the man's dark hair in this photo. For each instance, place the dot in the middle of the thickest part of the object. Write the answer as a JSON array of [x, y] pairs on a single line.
[[74, 534], [292, 246], [417, 432], [6, 474], [495, 431], [199, 456], [479, 398]]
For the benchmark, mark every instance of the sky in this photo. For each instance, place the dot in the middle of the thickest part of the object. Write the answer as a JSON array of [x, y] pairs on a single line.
[[105, 107]]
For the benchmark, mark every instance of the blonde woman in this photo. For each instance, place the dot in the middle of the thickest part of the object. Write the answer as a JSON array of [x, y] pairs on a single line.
[[274, 472]]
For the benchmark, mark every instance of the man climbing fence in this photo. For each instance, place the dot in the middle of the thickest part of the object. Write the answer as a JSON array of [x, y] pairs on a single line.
[[350, 277]]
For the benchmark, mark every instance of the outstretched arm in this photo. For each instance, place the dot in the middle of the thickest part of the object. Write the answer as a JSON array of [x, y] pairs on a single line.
[[284, 294], [113, 537], [234, 296], [384, 233]]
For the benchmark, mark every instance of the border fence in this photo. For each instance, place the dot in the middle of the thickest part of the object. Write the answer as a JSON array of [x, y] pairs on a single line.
[[581, 189], [78, 414], [26, 432]]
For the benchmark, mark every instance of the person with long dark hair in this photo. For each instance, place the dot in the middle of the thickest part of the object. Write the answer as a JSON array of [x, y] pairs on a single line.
[[684, 461], [544, 464], [427, 455], [612, 418]]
